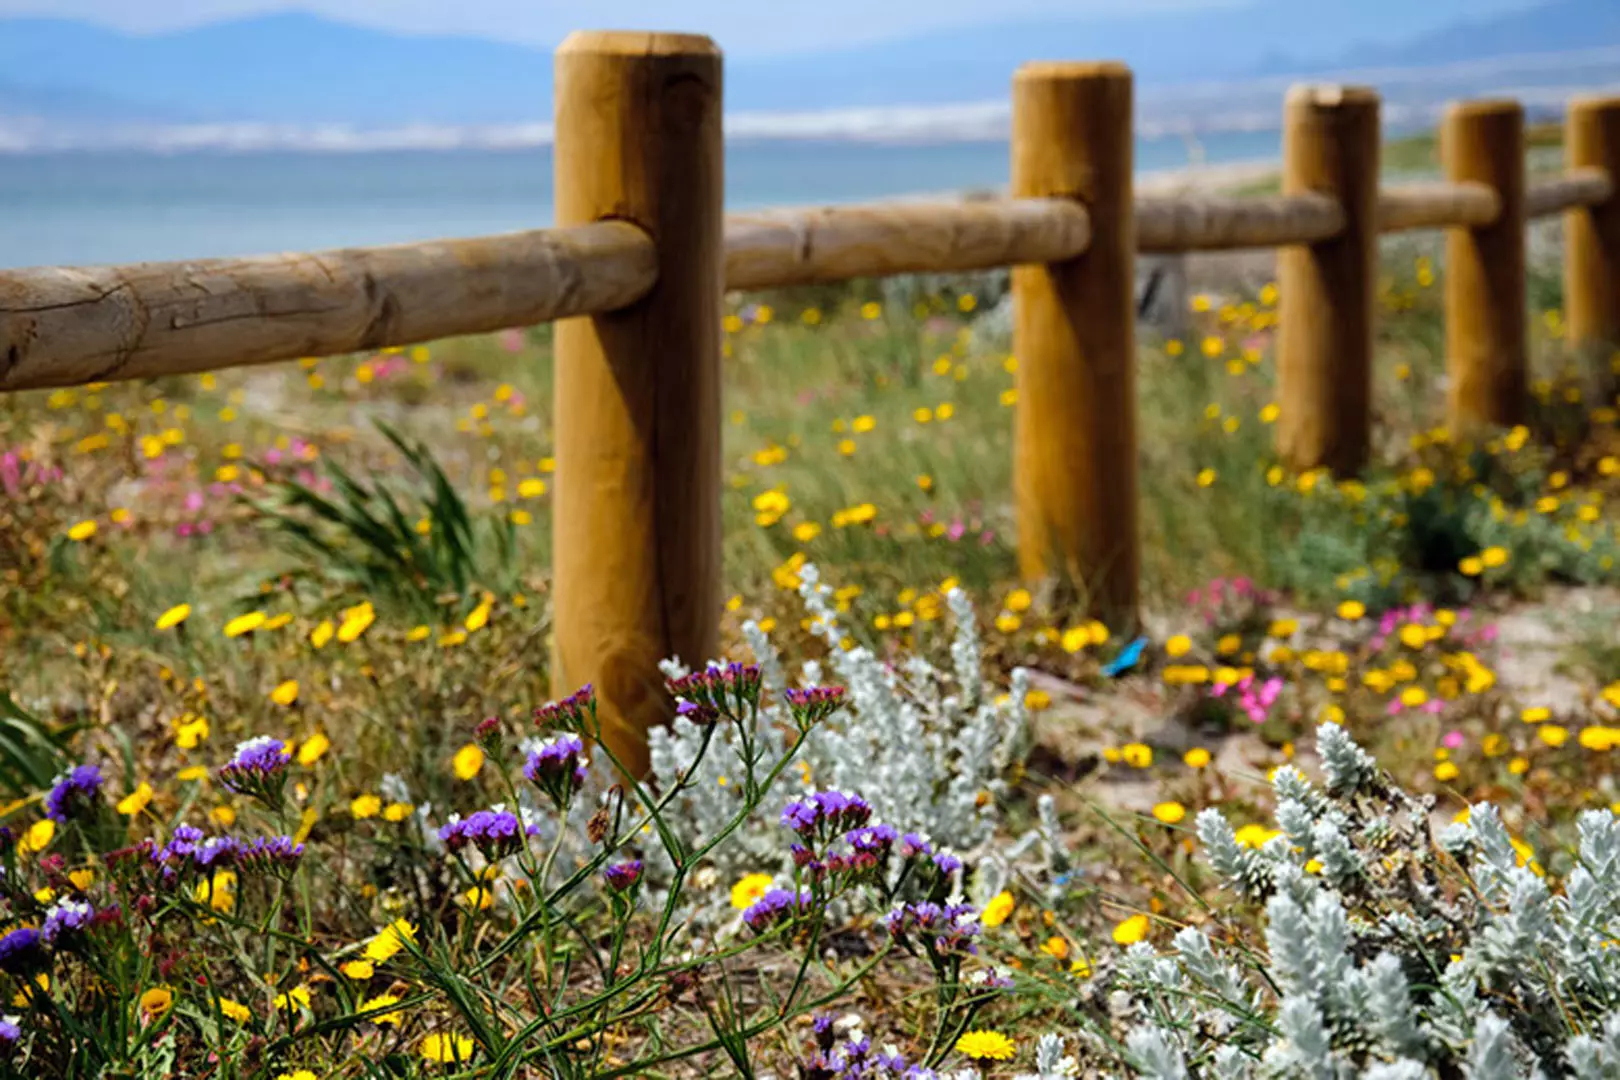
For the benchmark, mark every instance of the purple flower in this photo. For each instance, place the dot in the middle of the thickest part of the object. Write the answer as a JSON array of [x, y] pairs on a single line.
[[947, 864], [65, 921], [913, 845], [775, 907], [74, 793], [812, 705], [941, 930], [216, 852], [576, 712], [259, 769], [496, 833], [22, 951], [731, 691], [10, 1029], [622, 877], [558, 768], [826, 815], [274, 855]]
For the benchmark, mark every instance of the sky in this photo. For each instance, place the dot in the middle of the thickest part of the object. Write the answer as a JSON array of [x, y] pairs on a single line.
[[751, 27]]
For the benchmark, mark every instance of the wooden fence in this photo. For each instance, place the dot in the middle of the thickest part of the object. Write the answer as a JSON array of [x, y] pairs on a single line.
[[642, 253]]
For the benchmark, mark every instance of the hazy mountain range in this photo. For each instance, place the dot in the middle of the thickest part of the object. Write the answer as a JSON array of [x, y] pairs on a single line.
[[271, 78]]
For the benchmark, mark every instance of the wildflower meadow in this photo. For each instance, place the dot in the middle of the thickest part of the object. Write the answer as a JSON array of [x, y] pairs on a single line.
[[287, 795]]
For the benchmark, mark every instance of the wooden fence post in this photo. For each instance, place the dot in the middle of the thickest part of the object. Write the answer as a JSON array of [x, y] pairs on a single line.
[[1326, 290], [1074, 335], [637, 531], [1487, 336], [1592, 234]]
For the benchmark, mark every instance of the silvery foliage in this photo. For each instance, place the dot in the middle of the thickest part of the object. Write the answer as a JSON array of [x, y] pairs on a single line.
[[1388, 954], [927, 748]]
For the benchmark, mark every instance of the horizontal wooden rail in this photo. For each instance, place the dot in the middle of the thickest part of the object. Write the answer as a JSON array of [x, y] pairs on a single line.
[[1573, 190], [1438, 204], [68, 326], [804, 247], [1166, 224]]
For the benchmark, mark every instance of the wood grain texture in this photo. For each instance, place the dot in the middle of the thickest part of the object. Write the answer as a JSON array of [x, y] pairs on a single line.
[[1592, 231], [1326, 289], [1572, 190], [1436, 204], [803, 247], [637, 519], [1075, 459], [1216, 223], [67, 326], [1487, 332]]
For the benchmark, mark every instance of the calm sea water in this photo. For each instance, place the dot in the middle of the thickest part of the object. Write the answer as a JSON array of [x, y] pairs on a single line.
[[87, 208]]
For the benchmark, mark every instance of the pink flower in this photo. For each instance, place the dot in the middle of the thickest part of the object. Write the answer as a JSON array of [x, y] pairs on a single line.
[[1453, 740], [512, 340]]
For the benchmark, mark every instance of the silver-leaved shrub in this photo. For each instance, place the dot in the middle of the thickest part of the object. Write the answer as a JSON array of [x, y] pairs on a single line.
[[1389, 952]]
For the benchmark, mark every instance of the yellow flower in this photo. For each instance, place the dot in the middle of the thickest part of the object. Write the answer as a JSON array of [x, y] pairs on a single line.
[[355, 622], [285, 693], [1056, 947], [1136, 755], [235, 1010], [998, 910], [135, 801], [1196, 758], [1553, 734], [1206, 477], [173, 617], [223, 816], [1019, 600], [297, 997], [397, 812], [298, 1074], [84, 530], [1494, 556], [1471, 566], [190, 730], [219, 892], [446, 1048], [382, 1001], [389, 941], [1255, 836], [985, 1046], [1080, 969], [468, 760], [1178, 646], [1351, 610], [82, 879], [1131, 930], [1446, 771], [749, 889], [1170, 813], [365, 806], [314, 746], [319, 636], [244, 624], [1536, 714], [156, 1001], [477, 619], [39, 835]]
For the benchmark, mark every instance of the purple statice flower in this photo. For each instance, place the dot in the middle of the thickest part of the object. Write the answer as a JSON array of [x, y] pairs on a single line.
[[65, 921], [10, 1030], [946, 863], [777, 906], [74, 793], [558, 768], [826, 815], [912, 845], [22, 951], [622, 877], [941, 930], [277, 856], [576, 712], [215, 853], [811, 705], [259, 769], [731, 691], [496, 833]]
